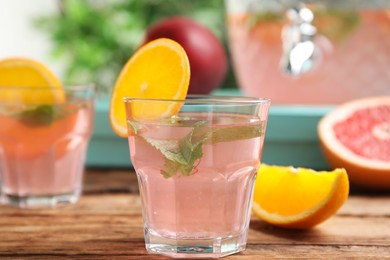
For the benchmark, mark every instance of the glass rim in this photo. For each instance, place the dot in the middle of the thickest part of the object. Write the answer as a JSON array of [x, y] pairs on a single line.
[[206, 99], [77, 87]]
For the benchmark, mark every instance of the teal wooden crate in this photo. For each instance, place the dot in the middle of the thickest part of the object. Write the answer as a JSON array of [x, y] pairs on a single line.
[[105, 148], [291, 138]]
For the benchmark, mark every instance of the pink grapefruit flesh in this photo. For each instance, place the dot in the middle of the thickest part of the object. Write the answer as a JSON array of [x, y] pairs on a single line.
[[356, 136]]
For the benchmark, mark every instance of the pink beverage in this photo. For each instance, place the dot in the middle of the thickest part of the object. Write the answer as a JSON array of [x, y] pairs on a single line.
[[42, 152], [196, 173], [350, 60]]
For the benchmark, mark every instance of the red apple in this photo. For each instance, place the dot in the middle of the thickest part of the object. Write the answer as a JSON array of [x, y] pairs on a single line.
[[205, 52]]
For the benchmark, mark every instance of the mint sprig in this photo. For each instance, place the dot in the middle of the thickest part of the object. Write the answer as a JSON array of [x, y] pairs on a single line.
[[42, 115], [336, 24], [181, 156]]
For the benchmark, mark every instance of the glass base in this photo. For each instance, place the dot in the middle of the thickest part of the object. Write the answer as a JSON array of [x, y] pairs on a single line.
[[194, 248], [40, 202]]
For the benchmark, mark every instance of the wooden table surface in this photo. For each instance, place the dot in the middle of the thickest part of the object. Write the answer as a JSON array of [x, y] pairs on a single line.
[[107, 224]]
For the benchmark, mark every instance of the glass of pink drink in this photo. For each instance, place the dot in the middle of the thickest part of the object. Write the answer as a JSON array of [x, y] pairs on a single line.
[[43, 146], [196, 171]]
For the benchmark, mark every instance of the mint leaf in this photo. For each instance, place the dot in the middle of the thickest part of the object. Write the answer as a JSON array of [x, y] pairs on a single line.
[[171, 167], [339, 23], [234, 133], [265, 17], [40, 115], [182, 155], [169, 148], [44, 115], [134, 126], [191, 146]]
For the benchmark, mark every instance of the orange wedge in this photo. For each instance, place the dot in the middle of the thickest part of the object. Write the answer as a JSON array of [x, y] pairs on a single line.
[[24, 72], [158, 70], [297, 197]]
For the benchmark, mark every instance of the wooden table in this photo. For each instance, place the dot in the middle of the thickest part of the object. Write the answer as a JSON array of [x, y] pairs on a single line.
[[107, 224]]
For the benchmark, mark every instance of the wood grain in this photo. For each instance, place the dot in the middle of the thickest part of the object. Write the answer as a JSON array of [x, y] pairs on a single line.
[[107, 224]]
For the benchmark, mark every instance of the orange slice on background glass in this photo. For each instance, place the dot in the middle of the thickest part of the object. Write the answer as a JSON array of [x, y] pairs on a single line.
[[158, 70], [298, 198], [25, 85], [24, 72]]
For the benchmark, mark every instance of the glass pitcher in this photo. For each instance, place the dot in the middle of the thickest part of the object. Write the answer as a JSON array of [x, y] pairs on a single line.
[[310, 52]]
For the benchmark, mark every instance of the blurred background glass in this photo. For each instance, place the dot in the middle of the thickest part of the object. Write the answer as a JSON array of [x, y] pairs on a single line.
[[312, 52]]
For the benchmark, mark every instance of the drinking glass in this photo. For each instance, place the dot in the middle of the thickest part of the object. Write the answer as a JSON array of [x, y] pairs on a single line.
[[196, 162], [44, 134]]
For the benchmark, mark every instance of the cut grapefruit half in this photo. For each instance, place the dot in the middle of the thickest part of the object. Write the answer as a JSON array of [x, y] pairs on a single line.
[[356, 136]]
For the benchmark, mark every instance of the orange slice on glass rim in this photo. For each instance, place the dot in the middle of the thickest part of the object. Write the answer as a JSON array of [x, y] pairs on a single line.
[[33, 75], [298, 198], [158, 70]]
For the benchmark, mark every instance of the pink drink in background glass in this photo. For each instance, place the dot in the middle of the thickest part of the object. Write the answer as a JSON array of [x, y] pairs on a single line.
[[354, 55], [205, 213], [41, 164]]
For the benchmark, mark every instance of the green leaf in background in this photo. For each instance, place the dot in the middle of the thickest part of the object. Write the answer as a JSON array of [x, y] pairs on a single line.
[[94, 39]]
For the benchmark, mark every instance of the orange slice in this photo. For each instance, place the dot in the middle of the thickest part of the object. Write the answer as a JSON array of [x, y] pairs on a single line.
[[23, 72], [298, 197], [158, 70]]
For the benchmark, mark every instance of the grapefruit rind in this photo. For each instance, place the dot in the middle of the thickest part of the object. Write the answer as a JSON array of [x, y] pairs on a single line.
[[362, 171]]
